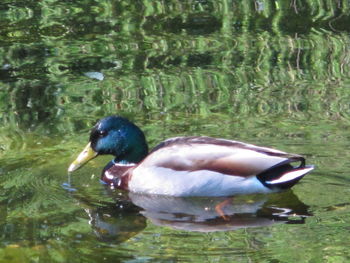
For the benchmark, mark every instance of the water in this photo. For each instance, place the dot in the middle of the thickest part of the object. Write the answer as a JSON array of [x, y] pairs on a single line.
[[272, 73]]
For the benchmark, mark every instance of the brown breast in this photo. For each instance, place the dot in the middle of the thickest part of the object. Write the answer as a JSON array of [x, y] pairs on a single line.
[[118, 176]]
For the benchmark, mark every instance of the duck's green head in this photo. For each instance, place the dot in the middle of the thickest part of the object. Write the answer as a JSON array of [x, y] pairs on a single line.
[[116, 136]]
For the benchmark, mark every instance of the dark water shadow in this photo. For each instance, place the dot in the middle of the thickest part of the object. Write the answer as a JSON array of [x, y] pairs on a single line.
[[111, 222]]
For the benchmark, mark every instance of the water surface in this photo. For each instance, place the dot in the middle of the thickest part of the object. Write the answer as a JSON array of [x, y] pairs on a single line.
[[272, 73]]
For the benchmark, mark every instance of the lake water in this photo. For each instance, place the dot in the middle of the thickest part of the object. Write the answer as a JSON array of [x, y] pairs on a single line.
[[272, 73]]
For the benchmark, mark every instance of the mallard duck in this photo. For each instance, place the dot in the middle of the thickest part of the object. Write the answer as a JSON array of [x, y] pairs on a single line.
[[188, 166]]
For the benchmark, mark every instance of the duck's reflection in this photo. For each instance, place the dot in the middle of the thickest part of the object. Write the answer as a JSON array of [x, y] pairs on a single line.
[[209, 215], [112, 222], [118, 221]]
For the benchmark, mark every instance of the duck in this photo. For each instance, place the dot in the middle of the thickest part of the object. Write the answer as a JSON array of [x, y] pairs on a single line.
[[188, 166]]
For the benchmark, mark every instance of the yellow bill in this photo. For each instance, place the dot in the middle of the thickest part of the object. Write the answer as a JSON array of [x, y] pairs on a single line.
[[86, 155]]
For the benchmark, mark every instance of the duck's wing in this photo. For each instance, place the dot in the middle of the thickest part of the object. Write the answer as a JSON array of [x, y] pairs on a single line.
[[219, 155]]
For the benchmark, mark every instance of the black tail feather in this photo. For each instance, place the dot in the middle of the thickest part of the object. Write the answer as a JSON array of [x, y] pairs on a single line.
[[278, 171]]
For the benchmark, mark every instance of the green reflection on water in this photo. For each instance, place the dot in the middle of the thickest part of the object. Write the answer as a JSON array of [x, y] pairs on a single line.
[[273, 73]]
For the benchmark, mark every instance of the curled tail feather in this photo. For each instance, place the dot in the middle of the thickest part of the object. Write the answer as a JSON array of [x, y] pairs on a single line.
[[284, 175]]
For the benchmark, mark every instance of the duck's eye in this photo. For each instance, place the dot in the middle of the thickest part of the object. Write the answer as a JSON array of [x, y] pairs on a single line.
[[102, 133]]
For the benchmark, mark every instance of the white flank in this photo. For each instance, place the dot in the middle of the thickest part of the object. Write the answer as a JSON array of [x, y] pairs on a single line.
[[165, 181], [290, 176]]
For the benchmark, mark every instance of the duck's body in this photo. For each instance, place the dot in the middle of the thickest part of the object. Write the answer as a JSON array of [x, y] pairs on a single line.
[[191, 166]]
